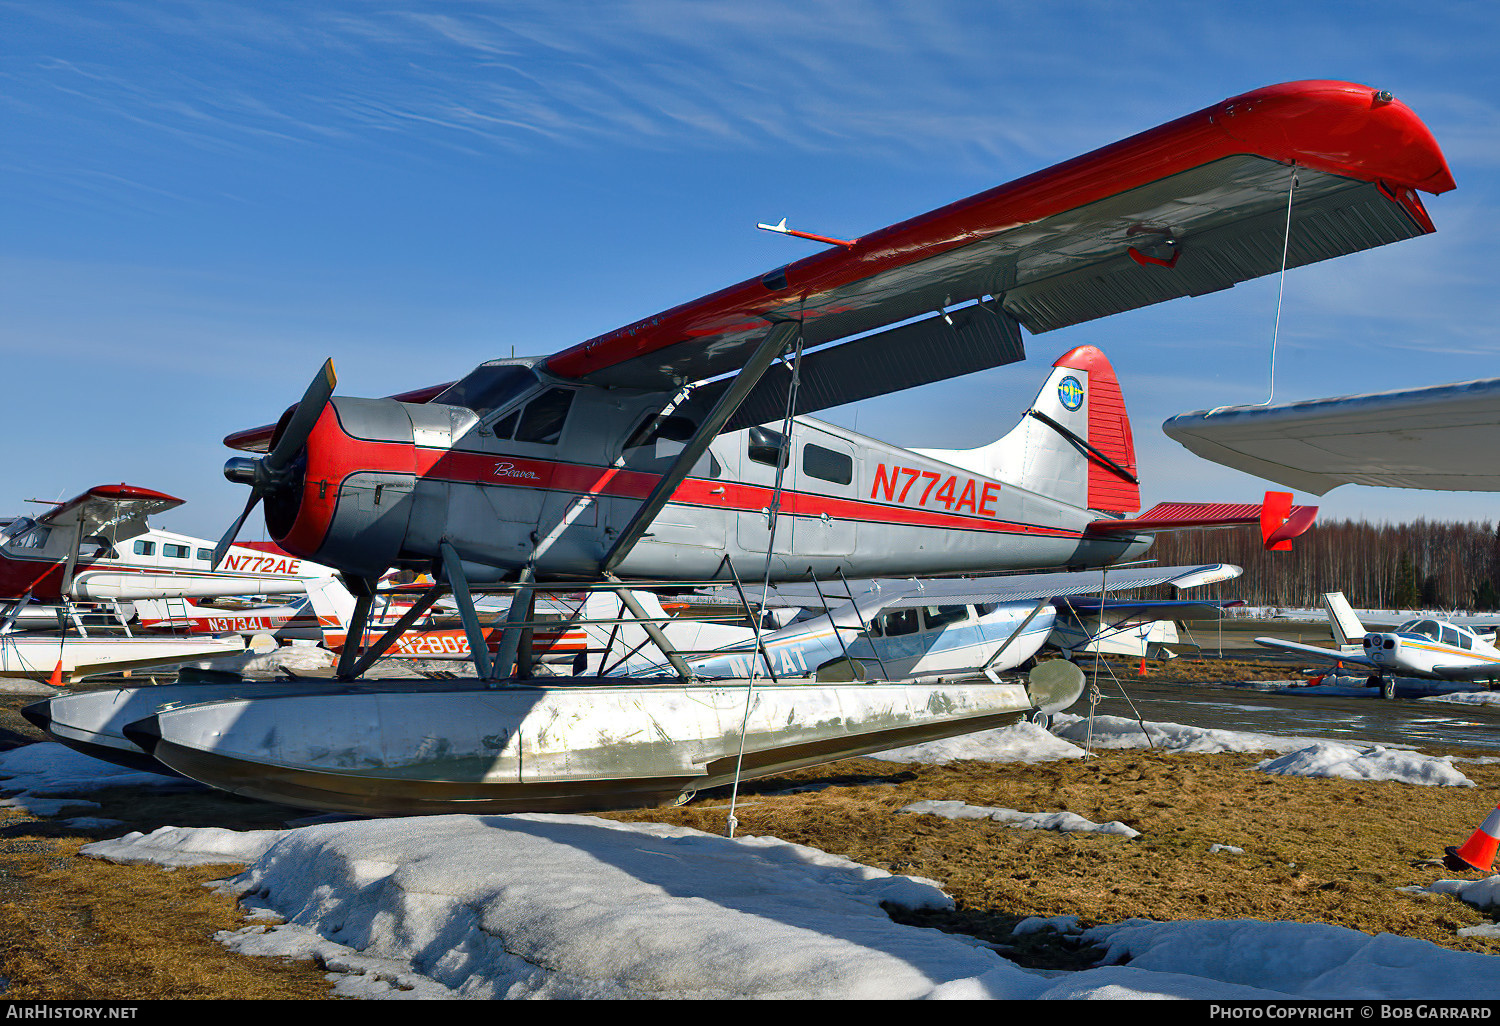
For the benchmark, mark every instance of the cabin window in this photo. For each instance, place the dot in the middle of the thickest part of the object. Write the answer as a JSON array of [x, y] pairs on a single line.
[[173, 551], [768, 447], [903, 621], [542, 420], [29, 535], [666, 440], [986, 608], [1464, 641], [95, 546], [939, 616], [1450, 636], [506, 426], [145, 548], [207, 555], [827, 465], [1427, 628], [673, 429], [488, 387]]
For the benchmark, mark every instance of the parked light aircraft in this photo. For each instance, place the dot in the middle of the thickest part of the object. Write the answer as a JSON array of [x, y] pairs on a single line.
[[1430, 648], [678, 448], [98, 547], [949, 629]]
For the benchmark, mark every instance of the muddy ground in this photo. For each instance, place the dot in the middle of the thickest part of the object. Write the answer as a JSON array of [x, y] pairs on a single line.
[[1315, 850]]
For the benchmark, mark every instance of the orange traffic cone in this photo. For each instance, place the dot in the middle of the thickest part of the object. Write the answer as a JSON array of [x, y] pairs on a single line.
[[56, 680], [1478, 852], [1142, 671]]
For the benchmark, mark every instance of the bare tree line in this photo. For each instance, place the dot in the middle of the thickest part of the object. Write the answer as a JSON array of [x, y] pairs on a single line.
[[1426, 564]]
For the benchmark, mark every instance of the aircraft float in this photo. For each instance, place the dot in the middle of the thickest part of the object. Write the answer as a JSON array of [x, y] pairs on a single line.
[[679, 447]]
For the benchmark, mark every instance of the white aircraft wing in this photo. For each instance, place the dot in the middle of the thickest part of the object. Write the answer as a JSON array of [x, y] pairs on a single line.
[[897, 593], [1327, 654], [116, 511], [1440, 437], [1468, 671]]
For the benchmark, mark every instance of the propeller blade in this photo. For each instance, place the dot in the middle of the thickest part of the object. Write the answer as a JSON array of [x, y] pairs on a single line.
[[303, 418], [229, 536]]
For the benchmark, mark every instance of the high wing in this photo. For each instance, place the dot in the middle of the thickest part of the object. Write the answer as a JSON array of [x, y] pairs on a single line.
[[879, 595], [1322, 653], [1181, 609], [1440, 437], [1187, 208], [118, 512]]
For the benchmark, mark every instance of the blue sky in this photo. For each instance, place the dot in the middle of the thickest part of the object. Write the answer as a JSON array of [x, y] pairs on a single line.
[[200, 201]]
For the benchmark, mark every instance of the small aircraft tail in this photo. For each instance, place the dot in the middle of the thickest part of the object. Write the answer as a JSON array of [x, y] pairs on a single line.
[[333, 605], [1074, 443], [1347, 630]]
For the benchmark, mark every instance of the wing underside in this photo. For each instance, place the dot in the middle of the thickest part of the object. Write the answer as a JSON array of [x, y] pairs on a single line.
[[1189, 208]]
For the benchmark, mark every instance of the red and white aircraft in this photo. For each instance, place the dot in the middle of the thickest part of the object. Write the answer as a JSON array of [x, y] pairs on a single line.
[[632, 454], [98, 547]]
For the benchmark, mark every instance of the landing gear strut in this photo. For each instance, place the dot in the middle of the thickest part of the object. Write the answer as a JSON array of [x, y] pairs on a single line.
[[1387, 685]]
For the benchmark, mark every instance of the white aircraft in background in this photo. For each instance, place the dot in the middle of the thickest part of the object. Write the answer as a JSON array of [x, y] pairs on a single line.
[[1430, 648], [98, 547], [944, 629]]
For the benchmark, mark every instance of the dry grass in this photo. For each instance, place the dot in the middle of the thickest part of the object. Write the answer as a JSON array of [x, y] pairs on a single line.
[[1316, 850]]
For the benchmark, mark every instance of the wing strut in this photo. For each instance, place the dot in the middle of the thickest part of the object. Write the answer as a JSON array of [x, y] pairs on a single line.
[[454, 573], [364, 598], [770, 347], [1035, 610], [401, 626]]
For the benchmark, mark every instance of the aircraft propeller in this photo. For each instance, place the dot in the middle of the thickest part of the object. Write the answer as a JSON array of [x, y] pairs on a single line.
[[271, 474]]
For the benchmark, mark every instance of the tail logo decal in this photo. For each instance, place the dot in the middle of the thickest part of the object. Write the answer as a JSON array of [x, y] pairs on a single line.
[[1070, 393]]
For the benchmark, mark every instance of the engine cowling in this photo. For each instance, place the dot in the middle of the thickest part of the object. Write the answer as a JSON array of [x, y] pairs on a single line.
[[348, 503]]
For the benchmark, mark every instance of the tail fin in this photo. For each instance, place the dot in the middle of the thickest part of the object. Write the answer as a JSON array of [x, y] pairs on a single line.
[[1074, 444], [1347, 630], [333, 605]]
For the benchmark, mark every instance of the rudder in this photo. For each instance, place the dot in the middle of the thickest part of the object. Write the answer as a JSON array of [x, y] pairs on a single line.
[[1074, 444]]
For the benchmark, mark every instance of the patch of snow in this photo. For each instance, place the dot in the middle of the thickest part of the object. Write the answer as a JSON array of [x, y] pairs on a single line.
[[1122, 732], [1036, 924], [1328, 759], [1305, 960], [1020, 742], [49, 768], [1214, 849], [1067, 822]]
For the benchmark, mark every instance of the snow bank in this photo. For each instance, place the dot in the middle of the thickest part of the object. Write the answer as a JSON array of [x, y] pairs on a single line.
[[49, 768], [1122, 732], [1305, 960], [1328, 759], [1020, 742], [1066, 822], [1466, 698], [1482, 894], [573, 906]]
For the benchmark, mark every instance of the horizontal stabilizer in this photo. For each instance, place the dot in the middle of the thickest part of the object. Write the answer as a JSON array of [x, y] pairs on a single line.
[[1278, 519], [1322, 653]]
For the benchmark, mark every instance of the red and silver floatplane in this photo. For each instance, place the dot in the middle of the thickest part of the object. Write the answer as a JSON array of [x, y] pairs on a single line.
[[679, 447]]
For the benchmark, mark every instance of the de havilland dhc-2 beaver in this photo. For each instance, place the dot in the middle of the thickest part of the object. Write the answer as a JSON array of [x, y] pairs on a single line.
[[678, 448]]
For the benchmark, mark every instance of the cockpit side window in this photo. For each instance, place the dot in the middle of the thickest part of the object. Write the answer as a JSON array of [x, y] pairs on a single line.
[[1428, 628], [488, 387], [542, 420]]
